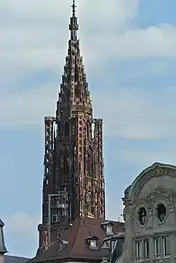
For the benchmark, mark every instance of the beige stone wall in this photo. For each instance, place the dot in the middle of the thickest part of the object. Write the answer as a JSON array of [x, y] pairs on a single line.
[[155, 185], [1, 258]]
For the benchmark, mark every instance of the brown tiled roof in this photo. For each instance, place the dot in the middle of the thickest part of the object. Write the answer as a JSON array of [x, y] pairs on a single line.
[[77, 247]]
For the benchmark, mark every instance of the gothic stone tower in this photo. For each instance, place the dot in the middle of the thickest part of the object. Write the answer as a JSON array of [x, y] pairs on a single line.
[[73, 184]]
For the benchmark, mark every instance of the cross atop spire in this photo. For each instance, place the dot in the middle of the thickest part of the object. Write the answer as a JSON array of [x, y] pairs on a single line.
[[73, 8], [73, 27]]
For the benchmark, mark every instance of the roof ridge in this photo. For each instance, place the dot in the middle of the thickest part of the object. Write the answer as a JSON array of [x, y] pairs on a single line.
[[86, 227], [74, 241]]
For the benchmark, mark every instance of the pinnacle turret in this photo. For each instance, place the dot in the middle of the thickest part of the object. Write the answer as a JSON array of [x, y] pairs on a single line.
[[73, 27]]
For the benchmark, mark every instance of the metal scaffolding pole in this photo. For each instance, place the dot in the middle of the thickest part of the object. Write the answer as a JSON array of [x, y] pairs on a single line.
[[49, 215]]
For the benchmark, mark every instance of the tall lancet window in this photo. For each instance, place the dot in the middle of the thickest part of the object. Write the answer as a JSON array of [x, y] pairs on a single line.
[[76, 72]]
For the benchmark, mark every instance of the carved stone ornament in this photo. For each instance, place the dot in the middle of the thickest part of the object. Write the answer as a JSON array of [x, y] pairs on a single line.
[[156, 171], [125, 199], [162, 171], [163, 261], [169, 194]]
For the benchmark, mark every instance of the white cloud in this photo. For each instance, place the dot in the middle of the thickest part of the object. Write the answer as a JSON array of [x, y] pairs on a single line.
[[33, 33], [45, 10], [28, 108], [136, 113], [33, 37]]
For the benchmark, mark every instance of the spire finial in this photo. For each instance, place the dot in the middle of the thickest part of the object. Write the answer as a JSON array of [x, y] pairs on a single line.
[[73, 27], [73, 8]]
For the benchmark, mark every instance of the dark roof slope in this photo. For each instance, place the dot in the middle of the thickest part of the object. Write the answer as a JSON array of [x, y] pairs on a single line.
[[77, 247], [118, 249], [13, 259]]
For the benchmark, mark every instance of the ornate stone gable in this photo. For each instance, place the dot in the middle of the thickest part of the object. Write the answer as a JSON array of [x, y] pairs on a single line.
[[149, 214], [168, 194], [132, 192], [156, 170]]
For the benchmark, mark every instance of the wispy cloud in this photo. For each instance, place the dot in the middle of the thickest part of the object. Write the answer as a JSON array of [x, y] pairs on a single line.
[[137, 113], [31, 39], [116, 50], [28, 44]]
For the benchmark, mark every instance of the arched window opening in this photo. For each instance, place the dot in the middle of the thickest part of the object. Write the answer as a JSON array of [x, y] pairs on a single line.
[[161, 212], [77, 92], [142, 215], [66, 129]]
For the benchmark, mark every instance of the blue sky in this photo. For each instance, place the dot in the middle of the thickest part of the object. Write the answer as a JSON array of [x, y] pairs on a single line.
[[129, 49]]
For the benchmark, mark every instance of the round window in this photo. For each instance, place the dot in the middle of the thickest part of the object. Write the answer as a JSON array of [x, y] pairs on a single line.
[[142, 213], [161, 212]]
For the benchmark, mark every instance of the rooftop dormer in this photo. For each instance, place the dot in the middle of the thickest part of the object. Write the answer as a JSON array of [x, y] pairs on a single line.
[[108, 227], [92, 242], [63, 244]]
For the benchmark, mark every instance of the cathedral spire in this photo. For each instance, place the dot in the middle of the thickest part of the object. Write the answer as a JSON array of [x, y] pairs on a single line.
[[73, 184], [73, 27]]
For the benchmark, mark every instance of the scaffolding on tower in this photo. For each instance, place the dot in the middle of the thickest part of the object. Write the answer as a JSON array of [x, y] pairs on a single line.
[[57, 209], [49, 147]]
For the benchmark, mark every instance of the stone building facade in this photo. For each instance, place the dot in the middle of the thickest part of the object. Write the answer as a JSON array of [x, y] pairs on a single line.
[[150, 216]]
